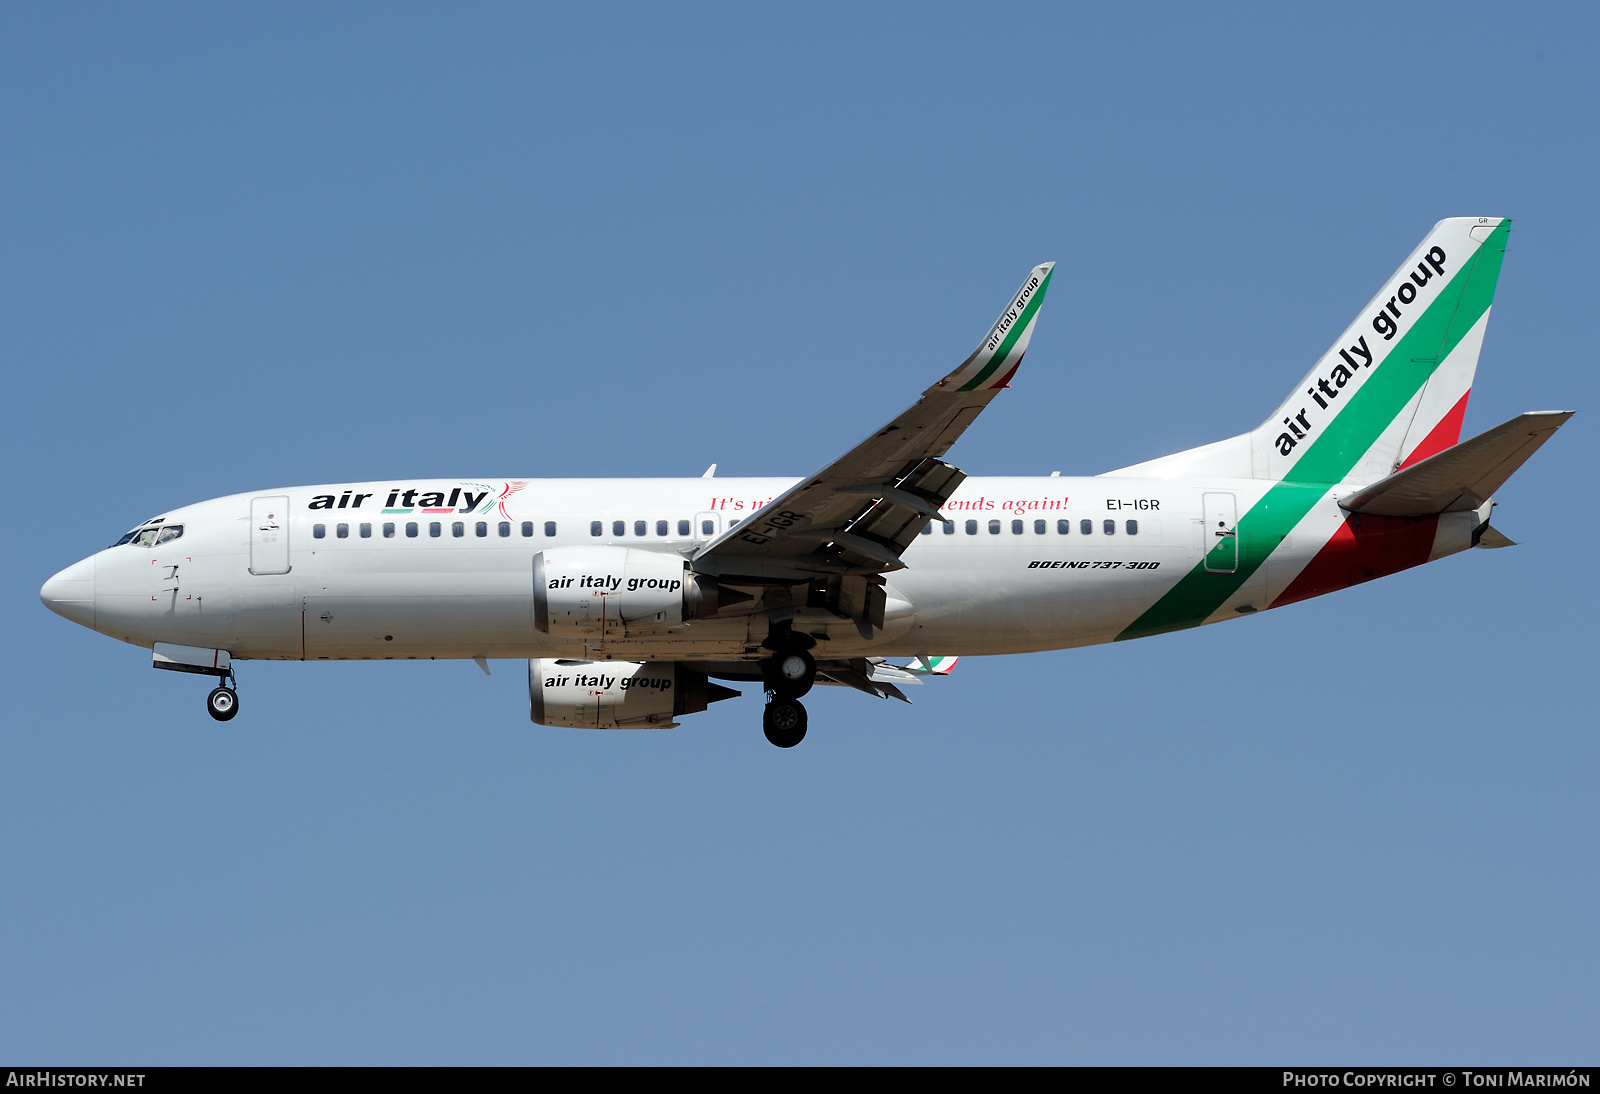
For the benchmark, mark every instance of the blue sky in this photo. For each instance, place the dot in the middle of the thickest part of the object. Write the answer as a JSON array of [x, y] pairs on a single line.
[[252, 248]]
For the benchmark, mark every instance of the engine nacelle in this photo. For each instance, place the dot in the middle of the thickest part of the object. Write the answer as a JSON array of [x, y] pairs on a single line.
[[616, 694], [619, 592], [607, 592]]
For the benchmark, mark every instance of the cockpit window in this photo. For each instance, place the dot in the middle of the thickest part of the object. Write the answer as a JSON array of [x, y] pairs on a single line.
[[149, 537]]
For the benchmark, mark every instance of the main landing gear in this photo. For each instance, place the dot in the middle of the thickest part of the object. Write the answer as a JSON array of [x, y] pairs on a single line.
[[223, 702], [788, 675], [792, 674], [784, 722]]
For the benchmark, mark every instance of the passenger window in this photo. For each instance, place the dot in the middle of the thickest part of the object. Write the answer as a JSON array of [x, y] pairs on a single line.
[[549, 528], [683, 527], [1109, 527], [505, 529], [972, 527], [994, 528], [366, 531], [482, 529], [1086, 527], [1016, 527], [435, 529], [1133, 527], [734, 523], [619, 528], [388, 530], [707, 527], [1063, 527], [949, 527], [527, 529], [318, 531], [927, 529], [458, 528], [170, 533], [661, 527], [596, 528], [411, 529], [1039, 527], [342, 531], [641, 528]]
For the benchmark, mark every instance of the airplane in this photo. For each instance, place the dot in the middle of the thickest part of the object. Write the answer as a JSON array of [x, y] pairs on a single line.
[[630, 598]]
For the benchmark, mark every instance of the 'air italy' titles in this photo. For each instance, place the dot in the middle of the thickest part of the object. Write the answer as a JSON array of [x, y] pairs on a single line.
[[406, 499]]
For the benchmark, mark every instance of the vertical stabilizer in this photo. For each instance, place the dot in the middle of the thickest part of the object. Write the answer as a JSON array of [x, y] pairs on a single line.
[[1394, 387]]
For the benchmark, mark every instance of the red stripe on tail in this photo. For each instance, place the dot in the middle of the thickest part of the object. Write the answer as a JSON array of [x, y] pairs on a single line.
[[1442, 436], [1363, 548]]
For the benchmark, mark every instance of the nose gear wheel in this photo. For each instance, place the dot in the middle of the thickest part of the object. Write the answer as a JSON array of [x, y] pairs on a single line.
[[223, 703]]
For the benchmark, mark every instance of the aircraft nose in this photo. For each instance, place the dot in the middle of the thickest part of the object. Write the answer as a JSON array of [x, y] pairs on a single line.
[[70, 593]]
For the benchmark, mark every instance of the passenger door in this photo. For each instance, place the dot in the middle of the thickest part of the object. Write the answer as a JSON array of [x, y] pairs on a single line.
[[269, 535], [1221, 532]]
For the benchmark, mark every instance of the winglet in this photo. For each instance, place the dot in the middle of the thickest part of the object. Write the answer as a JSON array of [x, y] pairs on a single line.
[[995, 360]]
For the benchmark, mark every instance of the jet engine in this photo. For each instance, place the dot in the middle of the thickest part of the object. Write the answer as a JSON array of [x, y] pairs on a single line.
[[620, 592], [616, 694]]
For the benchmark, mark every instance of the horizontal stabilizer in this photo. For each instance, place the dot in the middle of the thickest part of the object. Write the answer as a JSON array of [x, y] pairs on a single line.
[[1461, 478], [1491, 537]]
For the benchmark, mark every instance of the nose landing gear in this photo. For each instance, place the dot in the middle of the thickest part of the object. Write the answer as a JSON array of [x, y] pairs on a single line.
[[223, 702]]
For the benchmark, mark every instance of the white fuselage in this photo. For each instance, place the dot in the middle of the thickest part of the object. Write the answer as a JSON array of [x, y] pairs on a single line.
[[365, 589]]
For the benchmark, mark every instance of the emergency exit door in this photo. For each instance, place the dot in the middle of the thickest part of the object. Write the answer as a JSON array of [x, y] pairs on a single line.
[[706, 527], [1221, 531], [269, 535]]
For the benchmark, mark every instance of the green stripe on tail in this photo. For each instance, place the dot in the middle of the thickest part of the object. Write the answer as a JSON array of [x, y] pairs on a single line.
[[1342, 444]]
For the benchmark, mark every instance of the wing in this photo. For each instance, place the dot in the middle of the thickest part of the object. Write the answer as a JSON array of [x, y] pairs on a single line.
[[855, 517]]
